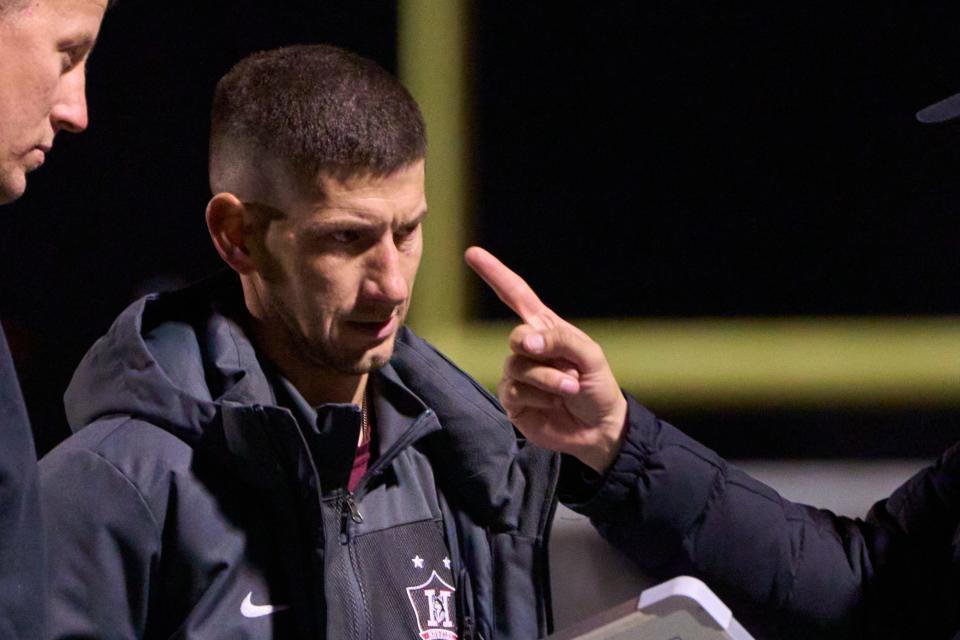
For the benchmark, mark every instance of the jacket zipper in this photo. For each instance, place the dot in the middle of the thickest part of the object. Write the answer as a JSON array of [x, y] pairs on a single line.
[[350, 511]]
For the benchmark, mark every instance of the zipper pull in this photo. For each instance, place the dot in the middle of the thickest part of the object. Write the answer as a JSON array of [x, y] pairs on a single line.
[[355, 514], [348, 511]]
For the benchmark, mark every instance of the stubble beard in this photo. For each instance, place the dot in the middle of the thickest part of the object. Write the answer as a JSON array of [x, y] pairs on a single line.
[[347, 366], [322, 354]]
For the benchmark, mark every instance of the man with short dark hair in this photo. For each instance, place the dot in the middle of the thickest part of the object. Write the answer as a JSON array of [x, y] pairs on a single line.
[[44, 46], [270, 453]]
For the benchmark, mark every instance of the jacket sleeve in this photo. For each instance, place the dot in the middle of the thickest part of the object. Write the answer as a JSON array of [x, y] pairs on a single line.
[[103, 544], [787, 570], [22, 561]]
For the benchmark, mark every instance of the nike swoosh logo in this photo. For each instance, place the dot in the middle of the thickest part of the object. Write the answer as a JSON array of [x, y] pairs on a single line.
[[250, 610]]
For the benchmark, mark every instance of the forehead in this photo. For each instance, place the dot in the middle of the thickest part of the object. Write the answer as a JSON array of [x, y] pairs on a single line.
[[94, 7], [82, 16], [400, 193], [405, 183], [41, 25]]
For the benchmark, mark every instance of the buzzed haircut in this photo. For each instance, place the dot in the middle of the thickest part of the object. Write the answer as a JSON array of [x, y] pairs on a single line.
[[319, 110]]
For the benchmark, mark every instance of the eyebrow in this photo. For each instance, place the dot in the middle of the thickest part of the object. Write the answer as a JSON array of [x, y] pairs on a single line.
[[417, 219], [80, 41], [317, 228], [353, 219]]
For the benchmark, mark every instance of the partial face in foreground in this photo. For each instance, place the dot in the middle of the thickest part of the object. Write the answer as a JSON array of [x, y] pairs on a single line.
[[43, 52], [336, 274]]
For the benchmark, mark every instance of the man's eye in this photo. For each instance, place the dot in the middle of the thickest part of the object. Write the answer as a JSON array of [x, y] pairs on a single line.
[[71, 58], [344, 237], [405, 233]]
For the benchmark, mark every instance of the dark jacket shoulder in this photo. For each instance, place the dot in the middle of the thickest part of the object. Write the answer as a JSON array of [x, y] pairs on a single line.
[[22, 559]]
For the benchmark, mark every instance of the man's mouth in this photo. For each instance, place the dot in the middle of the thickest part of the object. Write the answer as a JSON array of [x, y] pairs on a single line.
[[377, 329]]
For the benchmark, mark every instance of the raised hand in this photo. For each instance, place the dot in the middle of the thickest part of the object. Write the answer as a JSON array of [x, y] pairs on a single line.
[[557, 386]]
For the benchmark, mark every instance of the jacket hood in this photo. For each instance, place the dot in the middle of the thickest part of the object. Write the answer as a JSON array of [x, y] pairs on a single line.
[[173, 359], [182, 362]]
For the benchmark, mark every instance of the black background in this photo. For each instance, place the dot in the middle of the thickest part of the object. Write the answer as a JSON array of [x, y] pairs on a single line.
[[722, 158], [630, 159]]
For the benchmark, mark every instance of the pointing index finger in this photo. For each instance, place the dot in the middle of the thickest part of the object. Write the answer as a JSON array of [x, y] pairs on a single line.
[[509, 287]]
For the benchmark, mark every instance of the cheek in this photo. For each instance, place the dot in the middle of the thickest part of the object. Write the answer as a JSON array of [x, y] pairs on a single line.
[[411, 265], [328, 287], [24, 107], [39, 89]]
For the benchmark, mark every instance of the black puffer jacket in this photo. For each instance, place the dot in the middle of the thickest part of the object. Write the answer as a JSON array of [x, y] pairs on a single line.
[[787, 570]]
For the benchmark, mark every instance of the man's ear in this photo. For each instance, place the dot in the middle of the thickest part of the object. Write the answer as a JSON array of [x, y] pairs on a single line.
[[230, 231]]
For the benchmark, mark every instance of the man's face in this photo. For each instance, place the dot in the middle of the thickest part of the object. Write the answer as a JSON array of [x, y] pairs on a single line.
[[43, 52], [336, 273]]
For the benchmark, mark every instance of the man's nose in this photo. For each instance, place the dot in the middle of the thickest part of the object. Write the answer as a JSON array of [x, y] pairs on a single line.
[[69, 110], [385, 281]]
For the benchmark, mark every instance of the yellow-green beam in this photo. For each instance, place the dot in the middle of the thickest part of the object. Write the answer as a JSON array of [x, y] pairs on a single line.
[[756, 363], [431, 52], [743, 363]]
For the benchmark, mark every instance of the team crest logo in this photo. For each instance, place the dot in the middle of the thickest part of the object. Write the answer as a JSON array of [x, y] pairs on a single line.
[[432, 601]]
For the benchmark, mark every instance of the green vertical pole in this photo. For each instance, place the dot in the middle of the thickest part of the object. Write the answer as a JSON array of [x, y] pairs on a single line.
[[431, 54]]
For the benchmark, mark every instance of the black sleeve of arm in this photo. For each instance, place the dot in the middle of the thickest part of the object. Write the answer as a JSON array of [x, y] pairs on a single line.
[[917, 556], [103, 544], [676, 507]]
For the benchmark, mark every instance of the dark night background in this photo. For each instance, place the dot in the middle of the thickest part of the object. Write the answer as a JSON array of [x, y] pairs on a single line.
[[630, 158]]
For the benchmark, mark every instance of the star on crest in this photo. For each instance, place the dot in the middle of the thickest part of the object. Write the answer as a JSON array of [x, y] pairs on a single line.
[[446, 562], [417, 561]]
